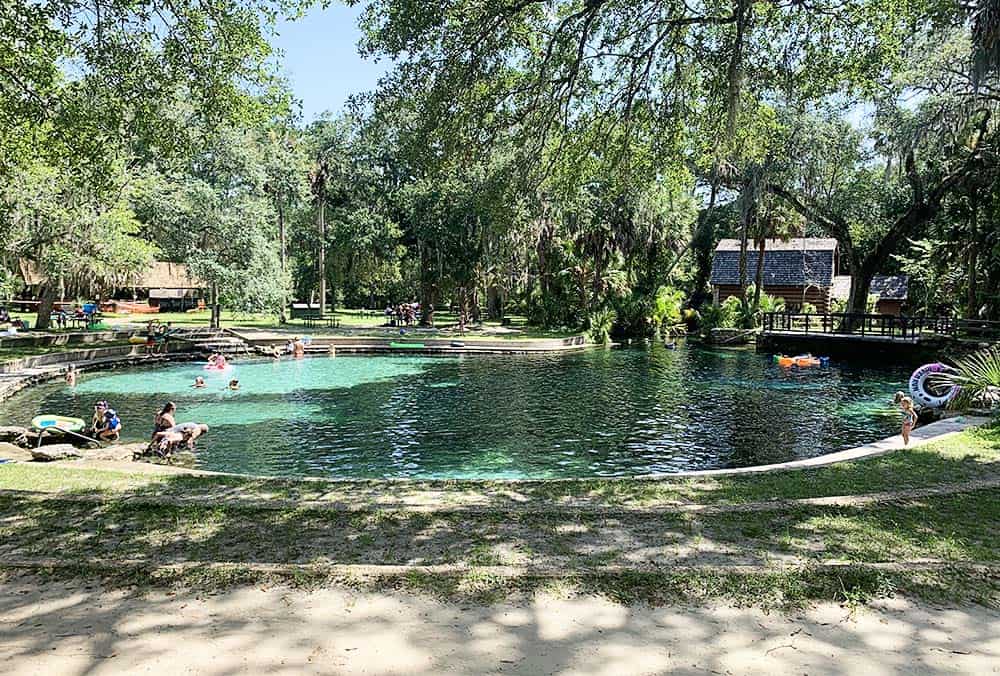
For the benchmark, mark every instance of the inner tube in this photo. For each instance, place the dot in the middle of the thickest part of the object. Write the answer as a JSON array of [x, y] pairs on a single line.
[[41, 422], [920, 392]]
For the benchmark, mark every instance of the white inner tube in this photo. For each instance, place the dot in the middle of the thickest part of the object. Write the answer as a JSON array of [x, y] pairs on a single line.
[[920, 392]]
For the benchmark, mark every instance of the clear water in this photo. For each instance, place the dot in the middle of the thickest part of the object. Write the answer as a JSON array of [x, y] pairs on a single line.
[[599, 413]]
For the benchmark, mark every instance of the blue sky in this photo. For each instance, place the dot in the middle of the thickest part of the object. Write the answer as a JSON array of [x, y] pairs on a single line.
[[321, 58]]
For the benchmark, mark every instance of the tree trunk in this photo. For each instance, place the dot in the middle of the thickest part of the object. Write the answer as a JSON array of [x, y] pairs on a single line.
[[861, 284], [322, 256], [428, 286], [744, 230], [281, 236], [759, 272], [281, 257], [216, 318], [46, 300], [972, 303], [494, 307]]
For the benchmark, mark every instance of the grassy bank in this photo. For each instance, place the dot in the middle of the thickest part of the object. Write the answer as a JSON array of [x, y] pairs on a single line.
[[725, 538]]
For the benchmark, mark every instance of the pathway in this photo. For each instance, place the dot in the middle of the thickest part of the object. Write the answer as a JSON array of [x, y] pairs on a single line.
[[76, 628]]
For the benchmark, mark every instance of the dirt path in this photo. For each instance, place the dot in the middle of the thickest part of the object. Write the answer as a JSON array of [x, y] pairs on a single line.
[[79, 628]]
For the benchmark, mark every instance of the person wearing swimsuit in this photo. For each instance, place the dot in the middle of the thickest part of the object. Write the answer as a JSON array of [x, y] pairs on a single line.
[[909, 418], [164, 420]]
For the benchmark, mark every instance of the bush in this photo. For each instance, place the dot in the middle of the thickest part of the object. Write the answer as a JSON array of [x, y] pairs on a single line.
[[667, 306], [600, 323], [721, 316]]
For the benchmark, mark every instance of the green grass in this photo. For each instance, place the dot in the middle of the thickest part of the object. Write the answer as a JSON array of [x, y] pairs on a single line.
[[657, 556]]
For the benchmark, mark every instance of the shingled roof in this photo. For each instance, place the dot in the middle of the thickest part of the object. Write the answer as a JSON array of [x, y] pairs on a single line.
[[891, 287], [797, 262], [886, 287]]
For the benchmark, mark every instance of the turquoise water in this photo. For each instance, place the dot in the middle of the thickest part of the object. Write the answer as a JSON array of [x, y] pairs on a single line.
[[600, 413]]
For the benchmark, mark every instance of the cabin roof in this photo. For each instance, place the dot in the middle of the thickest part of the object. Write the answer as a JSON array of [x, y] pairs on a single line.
[[158, 275], [808, 261], [886, 287]]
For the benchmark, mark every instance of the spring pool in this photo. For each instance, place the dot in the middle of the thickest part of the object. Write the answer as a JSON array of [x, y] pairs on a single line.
[[598, 413]]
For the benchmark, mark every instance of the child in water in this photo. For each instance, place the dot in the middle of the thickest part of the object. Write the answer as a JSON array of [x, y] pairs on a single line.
[[199, 382], [234, 384], [71, 376], [909, 418]]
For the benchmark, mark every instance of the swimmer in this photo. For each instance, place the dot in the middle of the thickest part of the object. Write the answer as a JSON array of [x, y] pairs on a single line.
[[199, 382], [71, 376], [234, 384]]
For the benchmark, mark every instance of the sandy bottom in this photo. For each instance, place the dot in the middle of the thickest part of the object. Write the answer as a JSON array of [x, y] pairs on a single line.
[[73, 628]]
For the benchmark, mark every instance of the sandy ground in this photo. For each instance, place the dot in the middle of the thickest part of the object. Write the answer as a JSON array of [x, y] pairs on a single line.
[[73, 628]]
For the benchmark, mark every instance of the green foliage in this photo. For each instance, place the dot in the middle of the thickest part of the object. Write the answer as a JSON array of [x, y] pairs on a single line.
[[667, 305], [599, 325], [725, 315], [977, 376], [808, 308]]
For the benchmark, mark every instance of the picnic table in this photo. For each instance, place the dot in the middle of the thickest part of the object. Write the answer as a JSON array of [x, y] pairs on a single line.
[[84, 322], [314, 320]]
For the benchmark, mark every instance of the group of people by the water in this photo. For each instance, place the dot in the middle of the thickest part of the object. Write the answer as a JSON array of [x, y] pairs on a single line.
[[403, 314], [157, 335]]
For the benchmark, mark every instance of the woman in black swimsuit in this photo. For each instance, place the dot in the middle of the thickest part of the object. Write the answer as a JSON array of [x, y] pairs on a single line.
[[164, 420]]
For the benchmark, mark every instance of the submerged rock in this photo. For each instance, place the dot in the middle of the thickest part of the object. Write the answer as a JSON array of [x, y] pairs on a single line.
[[54, 452]]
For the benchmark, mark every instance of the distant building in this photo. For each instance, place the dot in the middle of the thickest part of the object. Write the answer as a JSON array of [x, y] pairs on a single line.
[[891, 292], [168, 286], [799, 270]]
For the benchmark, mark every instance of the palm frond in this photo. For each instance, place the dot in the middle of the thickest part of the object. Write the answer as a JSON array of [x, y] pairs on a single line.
[[977, 376]]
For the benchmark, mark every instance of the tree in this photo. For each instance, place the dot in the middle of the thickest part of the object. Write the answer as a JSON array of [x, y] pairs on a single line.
[[218, 218]]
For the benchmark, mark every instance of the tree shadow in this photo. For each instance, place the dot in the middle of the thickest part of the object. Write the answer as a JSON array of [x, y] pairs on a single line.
[[80, 627]]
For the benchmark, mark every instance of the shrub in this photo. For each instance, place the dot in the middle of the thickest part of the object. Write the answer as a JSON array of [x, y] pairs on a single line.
[[600, 323], [667, 306]]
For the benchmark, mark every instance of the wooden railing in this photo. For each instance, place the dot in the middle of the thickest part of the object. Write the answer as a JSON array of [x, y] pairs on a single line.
[[888, 326]]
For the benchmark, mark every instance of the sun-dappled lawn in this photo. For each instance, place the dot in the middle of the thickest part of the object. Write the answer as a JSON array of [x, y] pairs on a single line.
[[643, 530]]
